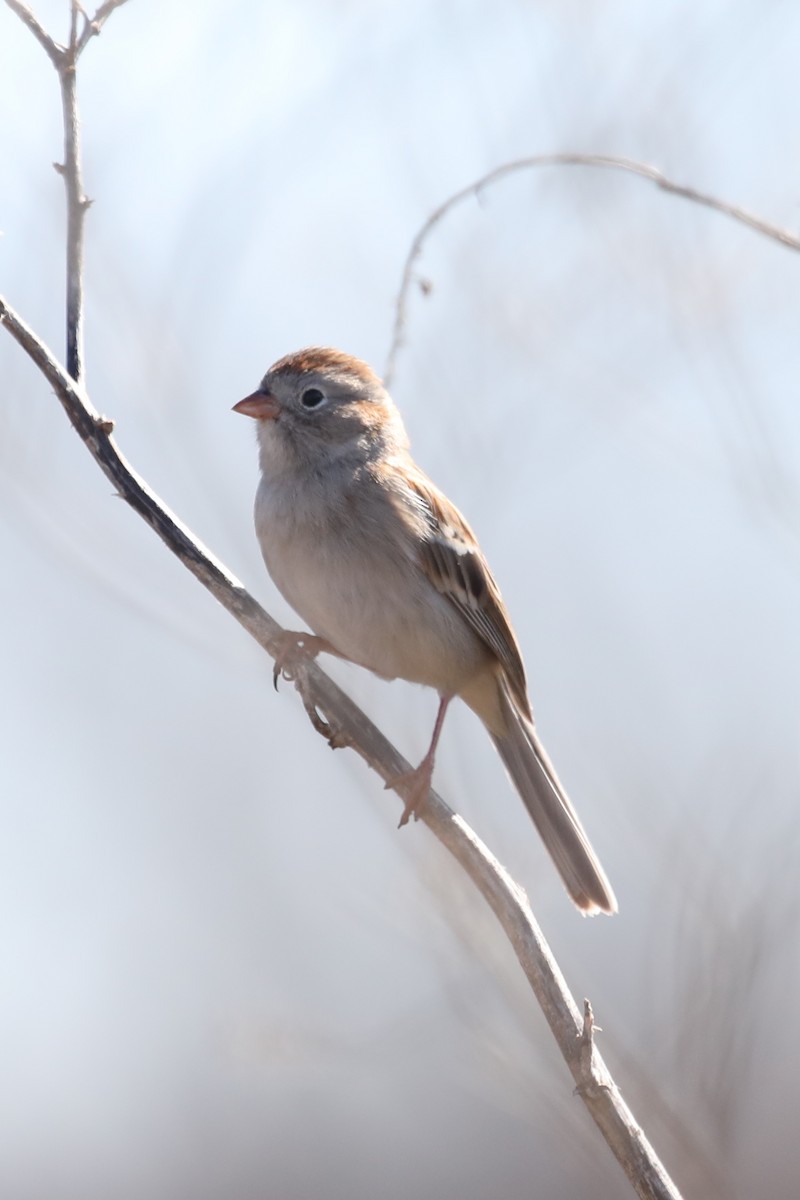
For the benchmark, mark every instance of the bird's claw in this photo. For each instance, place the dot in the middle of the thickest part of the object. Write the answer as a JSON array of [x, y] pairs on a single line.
[[334, 737], [414, 787], [293, 652]]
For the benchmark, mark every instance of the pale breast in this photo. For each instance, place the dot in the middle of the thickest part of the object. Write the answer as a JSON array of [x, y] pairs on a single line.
[[350, 571]]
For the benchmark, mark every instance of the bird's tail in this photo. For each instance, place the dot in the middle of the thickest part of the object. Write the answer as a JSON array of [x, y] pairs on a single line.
[[534, 777]]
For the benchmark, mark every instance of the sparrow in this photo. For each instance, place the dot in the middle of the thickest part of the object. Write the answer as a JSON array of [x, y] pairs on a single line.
[[387, 573]]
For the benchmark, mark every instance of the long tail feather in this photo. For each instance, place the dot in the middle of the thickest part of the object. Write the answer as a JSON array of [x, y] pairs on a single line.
[[535, 779]]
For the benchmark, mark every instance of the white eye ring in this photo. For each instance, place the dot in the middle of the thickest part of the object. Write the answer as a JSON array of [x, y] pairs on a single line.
[[312, 398]]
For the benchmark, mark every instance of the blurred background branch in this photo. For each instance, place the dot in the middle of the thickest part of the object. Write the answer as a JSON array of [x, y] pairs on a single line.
[[605, 161]]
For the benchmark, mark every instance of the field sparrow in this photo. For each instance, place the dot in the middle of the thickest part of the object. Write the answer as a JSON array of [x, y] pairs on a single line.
[[389, 575]]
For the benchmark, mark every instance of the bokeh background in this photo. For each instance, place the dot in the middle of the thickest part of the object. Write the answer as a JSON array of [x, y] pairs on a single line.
[[223, 972]]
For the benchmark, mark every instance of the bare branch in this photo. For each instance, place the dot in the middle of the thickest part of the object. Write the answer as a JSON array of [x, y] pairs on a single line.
[[605, 161], [64, 59], [346, 724], [52, 48], [76, 204]]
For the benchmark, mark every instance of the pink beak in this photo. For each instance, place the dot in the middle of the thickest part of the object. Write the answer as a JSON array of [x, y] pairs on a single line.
[[261, 405]]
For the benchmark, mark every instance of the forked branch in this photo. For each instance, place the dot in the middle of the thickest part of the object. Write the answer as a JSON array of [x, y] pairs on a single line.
[[82, 29]]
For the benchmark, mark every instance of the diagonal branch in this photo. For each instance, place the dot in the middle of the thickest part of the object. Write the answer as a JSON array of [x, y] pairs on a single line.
[[347, 724], [605, 161]]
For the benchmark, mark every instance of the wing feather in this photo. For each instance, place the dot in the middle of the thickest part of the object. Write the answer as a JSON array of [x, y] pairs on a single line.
[[452, 560]]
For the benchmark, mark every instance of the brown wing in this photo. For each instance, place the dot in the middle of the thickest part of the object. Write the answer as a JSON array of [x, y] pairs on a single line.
[[452, 560]]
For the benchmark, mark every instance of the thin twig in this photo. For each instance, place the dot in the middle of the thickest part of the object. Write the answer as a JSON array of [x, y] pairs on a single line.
[[77, 203], [93, 25], [349, 725], [65, 59], [605, 161]]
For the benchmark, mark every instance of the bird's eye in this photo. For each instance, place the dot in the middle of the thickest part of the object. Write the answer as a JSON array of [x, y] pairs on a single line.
[[312, 398]]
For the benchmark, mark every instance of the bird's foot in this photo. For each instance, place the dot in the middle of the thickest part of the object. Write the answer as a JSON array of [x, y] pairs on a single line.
[[294, 651], [414, 787]]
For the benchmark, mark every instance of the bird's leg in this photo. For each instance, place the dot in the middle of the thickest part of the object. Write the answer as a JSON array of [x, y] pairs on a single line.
[[295, 650], [415, 785]]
